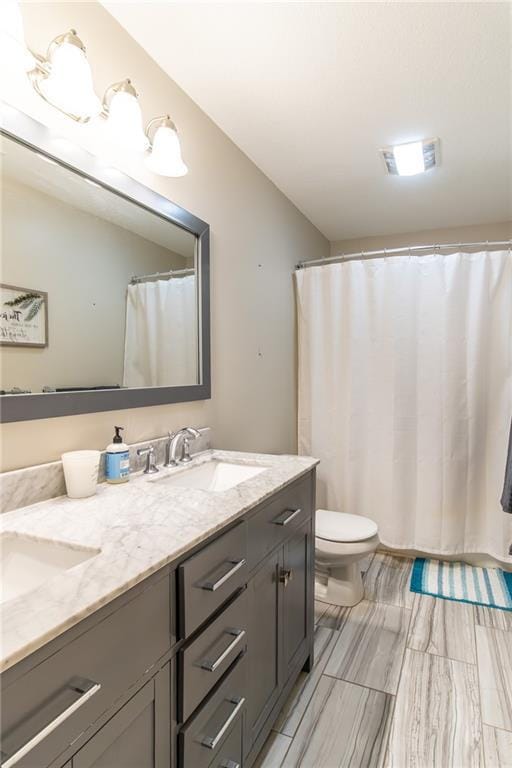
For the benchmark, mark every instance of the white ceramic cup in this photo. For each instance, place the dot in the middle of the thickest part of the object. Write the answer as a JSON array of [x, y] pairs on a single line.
[[81, 473]]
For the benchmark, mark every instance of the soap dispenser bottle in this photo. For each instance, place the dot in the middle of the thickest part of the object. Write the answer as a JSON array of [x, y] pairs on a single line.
[[117, 460]]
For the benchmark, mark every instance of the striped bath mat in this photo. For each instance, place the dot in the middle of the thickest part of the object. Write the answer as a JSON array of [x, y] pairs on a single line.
[[465, 583]]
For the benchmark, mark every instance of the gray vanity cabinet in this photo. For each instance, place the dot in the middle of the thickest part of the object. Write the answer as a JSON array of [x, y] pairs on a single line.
[[280, 607], [297, 593], [138, 735], [264, 649], [121, 690], [52, 699]]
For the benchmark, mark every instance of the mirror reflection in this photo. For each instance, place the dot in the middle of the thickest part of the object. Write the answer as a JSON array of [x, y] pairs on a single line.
[[96, 291]]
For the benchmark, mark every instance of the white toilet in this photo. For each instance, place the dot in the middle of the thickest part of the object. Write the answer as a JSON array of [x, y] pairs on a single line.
[[341, 541]]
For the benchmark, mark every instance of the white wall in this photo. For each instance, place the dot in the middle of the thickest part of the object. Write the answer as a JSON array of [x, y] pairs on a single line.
[[257, 236], [84, 263], [498, 231]]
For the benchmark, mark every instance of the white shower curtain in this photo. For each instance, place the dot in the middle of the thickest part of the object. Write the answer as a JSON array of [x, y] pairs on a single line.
[[405, 394], [161, 346]]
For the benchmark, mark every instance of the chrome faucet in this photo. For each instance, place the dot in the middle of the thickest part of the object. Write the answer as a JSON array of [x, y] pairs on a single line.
[[149, 453], [179, 439]]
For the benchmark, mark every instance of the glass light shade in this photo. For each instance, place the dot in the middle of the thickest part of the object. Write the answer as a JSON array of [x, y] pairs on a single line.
[[69, 85], [165, 158], [14, 52], [124, 123], [409, 158]]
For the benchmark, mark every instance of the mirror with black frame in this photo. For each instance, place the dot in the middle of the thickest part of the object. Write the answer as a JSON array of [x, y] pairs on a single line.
[[100, 294]]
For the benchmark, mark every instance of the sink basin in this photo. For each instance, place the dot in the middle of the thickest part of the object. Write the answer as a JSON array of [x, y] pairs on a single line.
[[212, 476], [26, 563]]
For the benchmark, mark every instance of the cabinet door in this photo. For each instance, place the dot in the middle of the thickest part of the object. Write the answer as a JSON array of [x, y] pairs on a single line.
[[296, 581], [264, 649], [138, 736]]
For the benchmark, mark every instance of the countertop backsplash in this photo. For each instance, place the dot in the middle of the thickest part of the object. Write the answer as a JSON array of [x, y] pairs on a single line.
[[29, 485]]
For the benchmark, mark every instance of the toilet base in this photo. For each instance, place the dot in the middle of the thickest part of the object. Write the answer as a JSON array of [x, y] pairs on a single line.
[[339, 586]]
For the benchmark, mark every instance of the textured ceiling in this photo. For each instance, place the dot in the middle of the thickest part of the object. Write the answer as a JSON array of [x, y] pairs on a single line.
[[310, 91]]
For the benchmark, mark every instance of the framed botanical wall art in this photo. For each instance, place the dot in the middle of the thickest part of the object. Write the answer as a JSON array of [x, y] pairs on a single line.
[[23, 317]]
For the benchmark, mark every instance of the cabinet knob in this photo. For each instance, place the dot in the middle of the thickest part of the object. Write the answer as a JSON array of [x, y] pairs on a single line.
[[285, 576]]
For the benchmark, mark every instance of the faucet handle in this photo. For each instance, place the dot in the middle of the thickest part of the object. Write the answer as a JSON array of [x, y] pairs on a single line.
[[190, 433], [149, 453], [186, 451]]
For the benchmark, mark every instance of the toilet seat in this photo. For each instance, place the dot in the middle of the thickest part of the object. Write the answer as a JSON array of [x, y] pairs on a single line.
[[343, 527]]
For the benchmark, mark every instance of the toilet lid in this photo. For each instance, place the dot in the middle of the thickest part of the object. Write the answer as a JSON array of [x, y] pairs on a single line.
[[340, 526]]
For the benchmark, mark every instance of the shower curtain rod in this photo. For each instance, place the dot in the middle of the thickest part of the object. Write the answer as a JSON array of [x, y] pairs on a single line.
[[409, 249], [163, 275]]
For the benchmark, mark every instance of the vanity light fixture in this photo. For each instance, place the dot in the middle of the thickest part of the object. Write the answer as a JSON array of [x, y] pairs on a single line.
[[165, 158], [14, 52], [124, 118], [411, 158], [64, 78]]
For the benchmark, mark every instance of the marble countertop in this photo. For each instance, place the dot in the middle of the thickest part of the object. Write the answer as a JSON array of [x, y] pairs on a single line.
[[138, 527]]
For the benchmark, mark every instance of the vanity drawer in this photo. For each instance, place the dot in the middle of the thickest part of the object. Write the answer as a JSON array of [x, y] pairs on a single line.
[[210, 577], [272, 524], [51, 705], [203, 740], [207, 658]]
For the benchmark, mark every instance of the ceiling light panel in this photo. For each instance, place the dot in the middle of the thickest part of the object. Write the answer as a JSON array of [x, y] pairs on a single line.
[[411, 158]]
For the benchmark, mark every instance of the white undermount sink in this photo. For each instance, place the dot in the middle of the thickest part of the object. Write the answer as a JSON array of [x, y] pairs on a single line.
[[26, 562], [213, 475]]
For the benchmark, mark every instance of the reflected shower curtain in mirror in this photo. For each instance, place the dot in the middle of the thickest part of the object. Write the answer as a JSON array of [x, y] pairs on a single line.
[[405, 395], [161, 346]]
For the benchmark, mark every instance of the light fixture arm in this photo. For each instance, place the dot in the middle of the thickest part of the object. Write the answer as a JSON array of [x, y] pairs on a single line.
[[43, 63], [159, 122], [165, 157], [44, 67], [70, 37], [123, 86]]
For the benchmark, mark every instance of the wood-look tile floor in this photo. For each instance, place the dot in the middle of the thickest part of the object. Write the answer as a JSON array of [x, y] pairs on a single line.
[[400, 681]]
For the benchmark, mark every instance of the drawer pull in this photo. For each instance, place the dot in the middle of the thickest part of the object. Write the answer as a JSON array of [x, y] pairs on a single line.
[[86, 689], [212, 741], [212, 586], [211, 666], [229, 764], [285, 518]]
